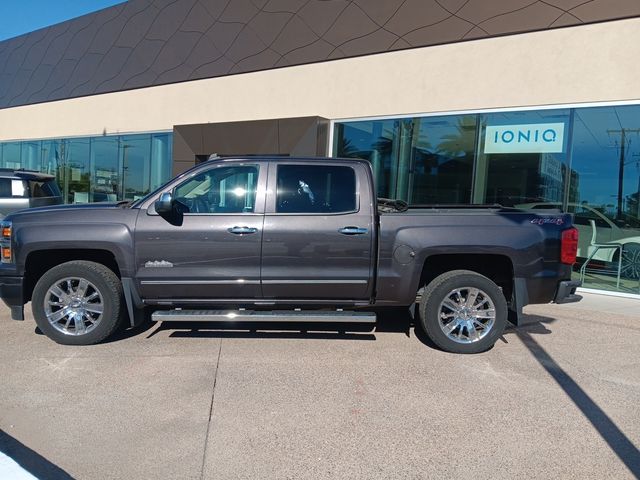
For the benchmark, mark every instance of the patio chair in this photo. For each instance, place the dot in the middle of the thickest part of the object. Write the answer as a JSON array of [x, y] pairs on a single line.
[[594, 246]]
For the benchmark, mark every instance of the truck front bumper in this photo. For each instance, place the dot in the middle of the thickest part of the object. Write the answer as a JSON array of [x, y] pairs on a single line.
[[11, 292], [566, 292]]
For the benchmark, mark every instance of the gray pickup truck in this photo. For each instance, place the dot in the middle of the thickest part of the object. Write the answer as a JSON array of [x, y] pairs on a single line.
[[283, 239]]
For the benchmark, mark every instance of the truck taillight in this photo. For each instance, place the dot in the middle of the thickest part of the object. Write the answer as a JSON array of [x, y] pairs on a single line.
[[5, 242], [569, 246]]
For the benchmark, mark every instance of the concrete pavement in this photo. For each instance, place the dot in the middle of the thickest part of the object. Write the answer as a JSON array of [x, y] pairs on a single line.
[[556, 398]]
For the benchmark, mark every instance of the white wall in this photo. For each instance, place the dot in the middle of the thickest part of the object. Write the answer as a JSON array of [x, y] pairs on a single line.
[[591, 63]]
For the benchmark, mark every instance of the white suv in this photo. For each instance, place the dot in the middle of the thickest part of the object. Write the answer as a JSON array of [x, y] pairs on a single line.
[[21, 189]]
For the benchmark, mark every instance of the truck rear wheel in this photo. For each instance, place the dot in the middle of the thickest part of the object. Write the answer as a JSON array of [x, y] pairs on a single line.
[[78, 303], [463, 312]]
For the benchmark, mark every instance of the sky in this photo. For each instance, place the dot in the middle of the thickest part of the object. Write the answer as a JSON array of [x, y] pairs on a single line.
[[23, 16]]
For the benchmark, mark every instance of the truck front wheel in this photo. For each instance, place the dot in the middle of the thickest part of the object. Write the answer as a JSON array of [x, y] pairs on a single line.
[[463, 312], [78, 303]]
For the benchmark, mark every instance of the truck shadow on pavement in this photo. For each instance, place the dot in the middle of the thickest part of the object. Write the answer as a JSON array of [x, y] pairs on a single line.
[[617, 441], [29, 460], [392, 320], [400, 321]]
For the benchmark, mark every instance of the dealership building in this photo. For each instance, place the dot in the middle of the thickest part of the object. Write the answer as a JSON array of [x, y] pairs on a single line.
[[521, 103]]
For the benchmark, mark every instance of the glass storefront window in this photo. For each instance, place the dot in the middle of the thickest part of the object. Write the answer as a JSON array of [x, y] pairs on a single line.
[[106, 177], [94, 169], [420, 160], [134, 182], [75, 171], [522, 158], [441, 167], [97, 169], [585, 161], [52, 158], [30, 155], [373, 141], [604, 195], [160, 164], [11, 155]]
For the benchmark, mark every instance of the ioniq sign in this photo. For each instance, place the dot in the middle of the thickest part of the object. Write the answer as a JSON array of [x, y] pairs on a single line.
[[532, 138]]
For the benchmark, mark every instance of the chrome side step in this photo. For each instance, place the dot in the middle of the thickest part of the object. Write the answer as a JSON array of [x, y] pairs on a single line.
[[262, 316]]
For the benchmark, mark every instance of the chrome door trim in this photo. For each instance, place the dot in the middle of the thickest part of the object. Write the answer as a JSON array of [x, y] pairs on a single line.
[[200, 282], [310, 282]]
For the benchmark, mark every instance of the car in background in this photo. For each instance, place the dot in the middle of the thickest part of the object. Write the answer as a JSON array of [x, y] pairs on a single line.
[[607, 231], [20, 189]]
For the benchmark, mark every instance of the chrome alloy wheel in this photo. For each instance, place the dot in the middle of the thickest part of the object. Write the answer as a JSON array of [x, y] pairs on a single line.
[[631, 261], [467, 315], [73, 306]]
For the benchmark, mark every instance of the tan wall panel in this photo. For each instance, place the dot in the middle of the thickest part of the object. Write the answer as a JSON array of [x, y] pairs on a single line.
[[580, 64]]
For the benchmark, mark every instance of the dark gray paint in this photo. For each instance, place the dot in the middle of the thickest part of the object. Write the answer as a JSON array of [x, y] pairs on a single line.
[[533, 250], [204, 257], [306, 256], [142, 43], [91, 226], [207, 260]]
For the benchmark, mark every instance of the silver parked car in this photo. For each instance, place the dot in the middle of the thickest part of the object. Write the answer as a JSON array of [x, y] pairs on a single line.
[[20, 189], [607, 231]]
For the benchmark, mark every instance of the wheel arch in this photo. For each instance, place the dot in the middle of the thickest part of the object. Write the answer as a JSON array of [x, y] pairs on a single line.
[[496, 267], [38, 262]]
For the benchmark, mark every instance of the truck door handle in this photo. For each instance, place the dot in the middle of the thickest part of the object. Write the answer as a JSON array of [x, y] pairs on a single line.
[[242, 230], [353, 231]]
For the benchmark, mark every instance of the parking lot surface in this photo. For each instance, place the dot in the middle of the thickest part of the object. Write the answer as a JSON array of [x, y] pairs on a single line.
[[557, 398]]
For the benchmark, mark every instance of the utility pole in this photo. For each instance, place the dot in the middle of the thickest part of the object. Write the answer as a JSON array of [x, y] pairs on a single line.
[[623, 141]]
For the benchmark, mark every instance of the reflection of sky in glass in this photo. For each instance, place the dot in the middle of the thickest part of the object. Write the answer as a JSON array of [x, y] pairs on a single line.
[[121, 165], [362, 135], [135, 149], [596, 153], [595, 143]]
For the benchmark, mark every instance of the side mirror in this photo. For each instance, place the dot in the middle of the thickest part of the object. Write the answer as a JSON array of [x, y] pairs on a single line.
[[164, 204]]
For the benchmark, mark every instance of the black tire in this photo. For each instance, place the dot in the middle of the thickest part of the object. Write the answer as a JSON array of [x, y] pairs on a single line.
[[431, 308], [99, 279]]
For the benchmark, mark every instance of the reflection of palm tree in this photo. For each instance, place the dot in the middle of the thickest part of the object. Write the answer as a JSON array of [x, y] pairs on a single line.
[[345, 147], [383, 145], [459, 143]]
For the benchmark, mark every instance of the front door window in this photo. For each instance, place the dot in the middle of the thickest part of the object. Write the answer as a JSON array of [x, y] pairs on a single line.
[[220, 190]]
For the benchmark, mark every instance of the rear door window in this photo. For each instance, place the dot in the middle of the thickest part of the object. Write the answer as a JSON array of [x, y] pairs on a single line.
[[47, 188], [316, 189]]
